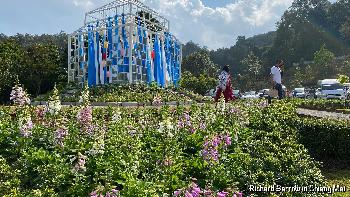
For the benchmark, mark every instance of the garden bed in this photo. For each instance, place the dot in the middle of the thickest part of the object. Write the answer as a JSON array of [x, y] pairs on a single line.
[[77, 151]]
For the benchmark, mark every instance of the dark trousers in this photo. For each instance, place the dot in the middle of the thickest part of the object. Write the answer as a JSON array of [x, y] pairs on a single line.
[[279, 88]]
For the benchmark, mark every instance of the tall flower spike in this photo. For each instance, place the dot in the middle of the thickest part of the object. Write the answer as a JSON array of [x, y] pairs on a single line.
[[19, 96], [85, 96], [54, 104]]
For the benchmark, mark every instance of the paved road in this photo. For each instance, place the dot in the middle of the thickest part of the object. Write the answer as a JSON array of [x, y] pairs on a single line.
[[323, 114]]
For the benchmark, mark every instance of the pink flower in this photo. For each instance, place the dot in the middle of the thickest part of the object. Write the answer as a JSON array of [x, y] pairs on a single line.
[[227, 139], [188, 194], [26, 128], [222, 194], [208, 193], [202, 126], [177, 192], [192, 130], [19, 96], [93, 194], [60, 134]]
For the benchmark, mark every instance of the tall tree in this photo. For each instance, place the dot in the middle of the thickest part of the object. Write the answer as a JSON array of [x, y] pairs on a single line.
[[12, 58], [200, 63], [323, 60]]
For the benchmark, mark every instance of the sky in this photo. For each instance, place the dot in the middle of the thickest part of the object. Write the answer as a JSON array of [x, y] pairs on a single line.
[[211, 23]]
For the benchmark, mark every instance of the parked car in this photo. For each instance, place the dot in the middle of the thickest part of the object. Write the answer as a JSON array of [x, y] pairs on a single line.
[[264, 93], [211, 93], [299, 93], [237, 94], [250, 95], [331, 89]]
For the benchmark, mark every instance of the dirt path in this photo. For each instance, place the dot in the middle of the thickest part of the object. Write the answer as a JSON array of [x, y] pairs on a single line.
[[323, 114]]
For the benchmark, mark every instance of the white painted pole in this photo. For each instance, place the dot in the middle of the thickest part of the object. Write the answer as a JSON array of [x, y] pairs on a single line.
[[70, 73], [130, 46]]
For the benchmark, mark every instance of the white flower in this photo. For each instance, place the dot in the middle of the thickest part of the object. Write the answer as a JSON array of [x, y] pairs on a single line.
[[116, 116], [54, 104]]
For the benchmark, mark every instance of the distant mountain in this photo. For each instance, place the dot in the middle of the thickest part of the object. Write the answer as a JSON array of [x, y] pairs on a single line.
[[263, 40]]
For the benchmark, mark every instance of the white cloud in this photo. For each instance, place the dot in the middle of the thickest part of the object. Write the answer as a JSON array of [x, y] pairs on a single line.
[[219, 27], [189, 19], [85, 4]]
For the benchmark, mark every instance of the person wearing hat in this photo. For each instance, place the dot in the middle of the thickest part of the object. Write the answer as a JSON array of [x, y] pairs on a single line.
[[224, 85]]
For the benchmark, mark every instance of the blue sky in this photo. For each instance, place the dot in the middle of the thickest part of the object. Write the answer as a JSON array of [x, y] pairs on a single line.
[[211, 23]]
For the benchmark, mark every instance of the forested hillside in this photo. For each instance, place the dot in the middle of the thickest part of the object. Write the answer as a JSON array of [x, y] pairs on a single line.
[[306, 28]]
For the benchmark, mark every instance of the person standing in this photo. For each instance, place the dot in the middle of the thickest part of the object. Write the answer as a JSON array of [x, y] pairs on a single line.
[[276, 78], [224, 85]]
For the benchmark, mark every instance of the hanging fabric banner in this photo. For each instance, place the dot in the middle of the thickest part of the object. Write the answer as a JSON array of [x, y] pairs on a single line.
[[97, 54], [163, 65], [91, 66], [110, 50]]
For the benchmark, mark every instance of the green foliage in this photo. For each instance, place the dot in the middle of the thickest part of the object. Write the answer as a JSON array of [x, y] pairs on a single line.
[[152, 151], [38, 61], [200, 84], [343, 79], [199, 63], [325, 139], [120, 93], [11, 61], [253, 73]]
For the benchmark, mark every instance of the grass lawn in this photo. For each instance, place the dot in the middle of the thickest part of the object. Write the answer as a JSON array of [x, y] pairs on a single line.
[[338, 177]]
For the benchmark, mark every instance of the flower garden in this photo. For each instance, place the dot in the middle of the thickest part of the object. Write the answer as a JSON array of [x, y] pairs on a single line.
[[199, 150], [127, 93]]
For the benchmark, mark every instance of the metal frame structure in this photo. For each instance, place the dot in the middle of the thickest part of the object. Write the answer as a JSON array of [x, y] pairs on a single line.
[[124, 42]]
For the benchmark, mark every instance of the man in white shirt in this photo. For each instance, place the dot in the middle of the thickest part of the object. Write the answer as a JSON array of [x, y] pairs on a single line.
[[276, 77]]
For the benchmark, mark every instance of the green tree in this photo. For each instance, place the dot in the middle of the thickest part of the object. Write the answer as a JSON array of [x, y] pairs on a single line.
[[323, 60], [253, 70], [42, 68], [200, 84], [11, 62], [200, 63]]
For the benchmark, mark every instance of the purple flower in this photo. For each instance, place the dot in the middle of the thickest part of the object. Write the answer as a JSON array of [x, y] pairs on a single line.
[[181, 124], [84, 116], [108, 194], [60, 134], [187, 116], [19, 96], [195, 191], [216, 141], [188, 194], [239, 194], [93, 194], [214, 154], [192, 130], [222, 194], [228, 139], [26, 128], [202, 126], [177, 192]]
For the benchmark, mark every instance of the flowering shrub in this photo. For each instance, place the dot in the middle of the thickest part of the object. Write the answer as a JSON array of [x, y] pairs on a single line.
[[84, 151], [126, 93]]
